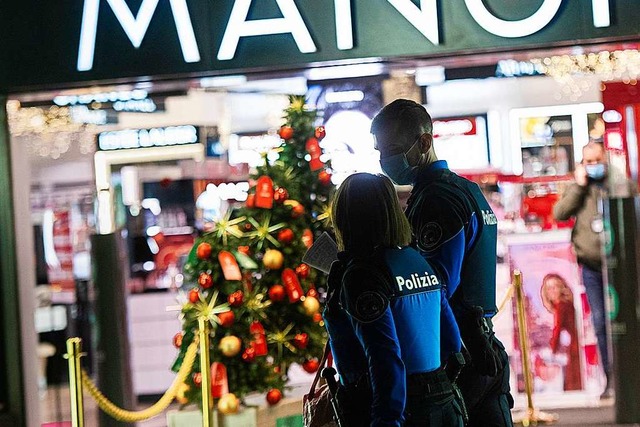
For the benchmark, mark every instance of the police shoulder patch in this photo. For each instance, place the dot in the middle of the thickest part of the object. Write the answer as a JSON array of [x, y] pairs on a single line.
[[369, 306], [430, 236], [366, 293]]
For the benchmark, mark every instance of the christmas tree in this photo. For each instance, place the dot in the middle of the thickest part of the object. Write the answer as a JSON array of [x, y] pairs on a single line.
[[245, 273]]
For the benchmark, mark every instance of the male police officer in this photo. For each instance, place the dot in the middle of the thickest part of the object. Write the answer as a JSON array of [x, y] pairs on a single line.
[[455, 229]]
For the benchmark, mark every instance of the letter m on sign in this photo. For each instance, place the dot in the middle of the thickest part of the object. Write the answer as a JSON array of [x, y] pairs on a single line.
[[135, 27]]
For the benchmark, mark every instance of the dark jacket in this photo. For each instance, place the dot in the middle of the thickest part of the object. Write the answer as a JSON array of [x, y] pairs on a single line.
[[456, 230], [384, 316]]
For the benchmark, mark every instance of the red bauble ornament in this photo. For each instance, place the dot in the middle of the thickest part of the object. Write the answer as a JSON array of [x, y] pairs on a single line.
[[203, 251], [236, 299], [205, 280], [312, 292], [324, 177], [297, 211], [245, 249], [276, 293], [311, 366], [286, 132], [249, 355], [177, 340], [300, 341], [194, 296], [280, 194], [321, 132], [197, 379], [226, 318], [317, 317], [285, 236], [303, 271], [274, 396]]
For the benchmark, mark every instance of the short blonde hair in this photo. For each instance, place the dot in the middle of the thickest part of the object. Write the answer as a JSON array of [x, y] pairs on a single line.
[[366, 214]]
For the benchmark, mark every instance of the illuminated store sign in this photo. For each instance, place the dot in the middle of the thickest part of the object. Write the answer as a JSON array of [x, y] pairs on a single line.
[[101, 97], [423, 18], [145, 138], [454, 127], [513, 68], [110, 39], [134, 101]]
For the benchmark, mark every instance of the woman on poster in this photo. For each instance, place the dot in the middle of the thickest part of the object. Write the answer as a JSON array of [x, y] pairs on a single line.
[[557, 297]]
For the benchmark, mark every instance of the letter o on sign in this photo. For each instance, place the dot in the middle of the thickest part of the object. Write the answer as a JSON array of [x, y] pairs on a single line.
[[513, 29]]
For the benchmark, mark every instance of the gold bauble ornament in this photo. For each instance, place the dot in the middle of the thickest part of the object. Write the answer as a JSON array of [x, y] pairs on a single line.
[[230, 346], [273, 259], [228, 404], [311, 305], [181, 394]]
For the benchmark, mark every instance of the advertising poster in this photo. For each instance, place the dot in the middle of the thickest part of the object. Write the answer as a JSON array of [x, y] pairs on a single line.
[[60, 261], [563, 347]]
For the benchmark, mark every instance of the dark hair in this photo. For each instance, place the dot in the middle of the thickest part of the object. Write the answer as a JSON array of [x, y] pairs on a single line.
[[402, 117], [366, 214]]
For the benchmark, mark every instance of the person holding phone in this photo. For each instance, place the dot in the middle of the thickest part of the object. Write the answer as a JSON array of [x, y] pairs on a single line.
[[581, 200]]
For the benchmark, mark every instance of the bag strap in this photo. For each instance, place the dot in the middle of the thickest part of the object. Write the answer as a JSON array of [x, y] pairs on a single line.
[[323, 362]]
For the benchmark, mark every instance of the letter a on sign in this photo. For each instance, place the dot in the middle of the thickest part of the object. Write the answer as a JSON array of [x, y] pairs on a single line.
[[238, 26], [135, 27]]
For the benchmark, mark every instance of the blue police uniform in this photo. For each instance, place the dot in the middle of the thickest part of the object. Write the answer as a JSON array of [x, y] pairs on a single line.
[[384, 324], [456, 230]]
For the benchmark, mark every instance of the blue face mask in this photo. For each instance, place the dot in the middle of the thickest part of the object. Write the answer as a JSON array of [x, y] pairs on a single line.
[[596, 172], [398, 169]]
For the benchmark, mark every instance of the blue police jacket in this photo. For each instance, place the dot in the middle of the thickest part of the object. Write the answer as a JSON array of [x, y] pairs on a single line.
[[388, 325], [456, 230]]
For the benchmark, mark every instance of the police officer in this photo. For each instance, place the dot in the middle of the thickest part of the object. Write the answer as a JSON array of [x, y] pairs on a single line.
[[384, 314], [455, 230]]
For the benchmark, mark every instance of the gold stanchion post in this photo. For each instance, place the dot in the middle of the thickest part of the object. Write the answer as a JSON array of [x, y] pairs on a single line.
[[531, 415], [74, 352], [205, 370]]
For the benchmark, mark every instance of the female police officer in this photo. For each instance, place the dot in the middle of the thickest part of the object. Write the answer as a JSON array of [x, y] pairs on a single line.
[[384, 315]]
